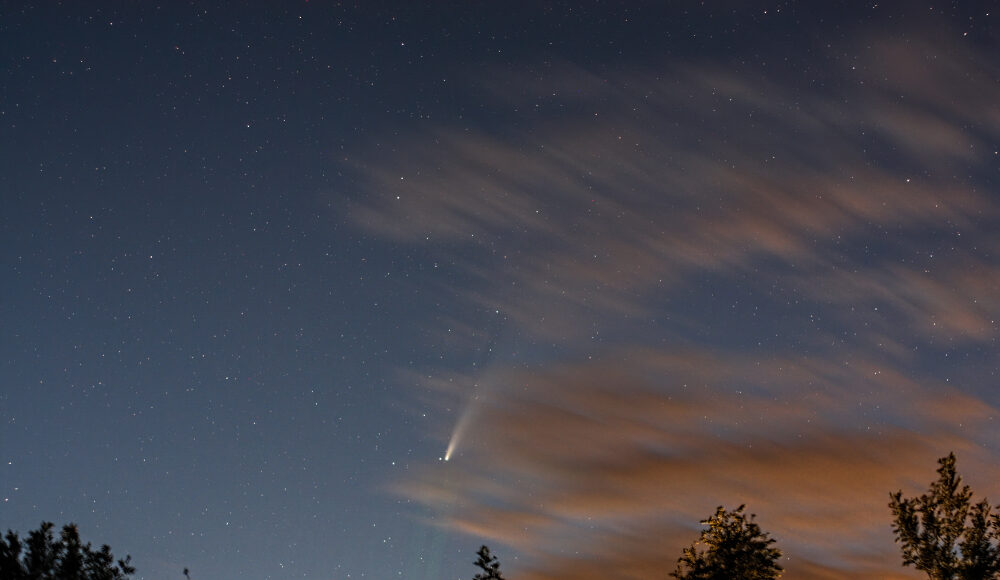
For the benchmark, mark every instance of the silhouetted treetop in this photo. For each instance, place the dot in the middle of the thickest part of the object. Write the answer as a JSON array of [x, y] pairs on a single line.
[[489, 564], [943, 534], [734, 548], [42, 556]]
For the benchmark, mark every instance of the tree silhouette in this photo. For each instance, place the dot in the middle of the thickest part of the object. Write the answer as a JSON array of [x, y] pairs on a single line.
[[734, 548], [42, 556], [489, 564], [942, 534]]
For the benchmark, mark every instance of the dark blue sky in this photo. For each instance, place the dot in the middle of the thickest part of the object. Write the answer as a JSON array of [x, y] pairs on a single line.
[[263, 263]]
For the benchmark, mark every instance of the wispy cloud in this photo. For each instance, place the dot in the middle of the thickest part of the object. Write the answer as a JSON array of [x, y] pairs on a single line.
[[637, 450], [710, 171], [621, 232]]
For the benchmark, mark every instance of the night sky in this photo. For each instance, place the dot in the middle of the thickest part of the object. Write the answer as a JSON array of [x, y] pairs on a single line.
[[264, 265]]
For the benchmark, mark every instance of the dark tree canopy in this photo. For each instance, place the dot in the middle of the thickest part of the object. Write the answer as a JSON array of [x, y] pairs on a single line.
[[734, 547], [943, 534], [489, 565], [42, 556]]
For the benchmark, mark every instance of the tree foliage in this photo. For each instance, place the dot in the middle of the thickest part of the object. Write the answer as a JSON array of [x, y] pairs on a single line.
[[41, 556], [943, 534], [734, 547], [489, 565]]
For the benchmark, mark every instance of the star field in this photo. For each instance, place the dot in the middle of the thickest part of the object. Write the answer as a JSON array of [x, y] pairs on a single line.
[[266, 265]]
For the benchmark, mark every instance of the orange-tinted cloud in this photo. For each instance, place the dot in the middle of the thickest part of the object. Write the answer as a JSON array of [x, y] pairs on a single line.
[[707, 172], [856, 217], [585, 457]]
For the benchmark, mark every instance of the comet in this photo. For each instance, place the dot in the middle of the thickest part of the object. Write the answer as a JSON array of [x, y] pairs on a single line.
[[461, 426], [474, 402]]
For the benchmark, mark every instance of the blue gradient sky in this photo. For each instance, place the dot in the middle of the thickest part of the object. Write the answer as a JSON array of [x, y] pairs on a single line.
[[260, 260]]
